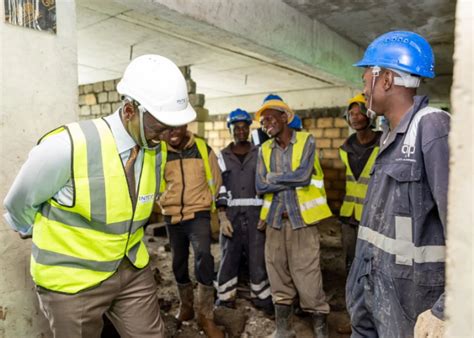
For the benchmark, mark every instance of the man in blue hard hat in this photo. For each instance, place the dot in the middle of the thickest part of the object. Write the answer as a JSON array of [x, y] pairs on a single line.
[[397, 276], [239, 211], [296, 124]]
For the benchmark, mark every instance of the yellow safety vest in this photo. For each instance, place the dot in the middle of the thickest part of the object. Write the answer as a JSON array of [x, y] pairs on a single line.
[[202, 148], [311, 198], [356, 189], [78, 247]]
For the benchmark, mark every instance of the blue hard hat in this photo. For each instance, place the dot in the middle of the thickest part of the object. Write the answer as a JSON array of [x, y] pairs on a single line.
[[405, 51], [272, 97], [237, 116], [296, 123]]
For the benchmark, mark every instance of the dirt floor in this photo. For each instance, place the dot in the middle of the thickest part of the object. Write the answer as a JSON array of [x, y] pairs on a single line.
[[245, 320]]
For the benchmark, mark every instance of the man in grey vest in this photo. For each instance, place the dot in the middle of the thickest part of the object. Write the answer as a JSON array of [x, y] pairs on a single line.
[[397, 277]]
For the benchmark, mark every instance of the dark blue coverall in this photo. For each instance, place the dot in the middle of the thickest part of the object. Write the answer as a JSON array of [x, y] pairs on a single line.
[[239, 197], [398, 271]]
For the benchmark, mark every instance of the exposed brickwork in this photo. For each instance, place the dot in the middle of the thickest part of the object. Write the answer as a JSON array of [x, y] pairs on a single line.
[[326, 125]]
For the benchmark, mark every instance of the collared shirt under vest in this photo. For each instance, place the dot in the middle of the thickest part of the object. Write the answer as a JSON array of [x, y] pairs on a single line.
[[310, 204], [77, 247]]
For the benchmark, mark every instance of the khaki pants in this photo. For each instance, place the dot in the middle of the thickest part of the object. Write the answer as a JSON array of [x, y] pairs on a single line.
[[128, 298], [292, 259]]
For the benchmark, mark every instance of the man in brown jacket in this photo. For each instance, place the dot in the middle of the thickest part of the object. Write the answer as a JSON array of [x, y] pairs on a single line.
[[191, 176]]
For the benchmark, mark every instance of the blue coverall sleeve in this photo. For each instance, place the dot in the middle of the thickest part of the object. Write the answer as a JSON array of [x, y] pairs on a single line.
[[436, 162]]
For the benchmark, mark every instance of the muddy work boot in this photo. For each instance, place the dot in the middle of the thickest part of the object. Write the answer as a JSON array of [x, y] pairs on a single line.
[[186, 300], [320, 325], [205, 310], [283, 320]]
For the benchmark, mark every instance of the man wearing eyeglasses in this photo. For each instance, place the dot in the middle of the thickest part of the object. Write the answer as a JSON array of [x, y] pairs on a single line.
[[84, 195]]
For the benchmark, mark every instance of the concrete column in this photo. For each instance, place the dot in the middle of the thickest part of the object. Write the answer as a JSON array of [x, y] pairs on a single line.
[[460, 235], [38, 93]]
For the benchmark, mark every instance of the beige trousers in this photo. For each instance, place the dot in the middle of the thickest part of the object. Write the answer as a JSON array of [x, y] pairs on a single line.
[[128, 298], [292, 259]]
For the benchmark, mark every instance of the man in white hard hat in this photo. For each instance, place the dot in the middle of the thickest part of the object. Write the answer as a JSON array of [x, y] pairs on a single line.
[[84, 194]]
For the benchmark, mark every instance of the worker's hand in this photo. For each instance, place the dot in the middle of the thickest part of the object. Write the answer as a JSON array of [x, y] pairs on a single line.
[[226, 226], [429, 326], [262, 225]]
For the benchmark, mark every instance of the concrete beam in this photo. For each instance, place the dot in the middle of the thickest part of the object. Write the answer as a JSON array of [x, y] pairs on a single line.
[[267, 30]]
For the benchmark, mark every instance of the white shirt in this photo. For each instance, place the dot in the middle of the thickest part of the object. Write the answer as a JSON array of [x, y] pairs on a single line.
[[47, 173]]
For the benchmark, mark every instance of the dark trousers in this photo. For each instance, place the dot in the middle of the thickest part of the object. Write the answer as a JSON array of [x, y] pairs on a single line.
[[349, 239], [245, 239], [196, 231]]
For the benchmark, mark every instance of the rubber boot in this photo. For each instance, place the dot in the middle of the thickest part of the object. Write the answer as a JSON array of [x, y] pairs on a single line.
[[320, 325], [186, 300], [205, 310], [283, 320]]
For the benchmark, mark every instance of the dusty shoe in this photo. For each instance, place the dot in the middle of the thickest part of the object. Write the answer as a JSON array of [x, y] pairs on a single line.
[[320, 325], [186, 300], [205, 309], [283, 320]]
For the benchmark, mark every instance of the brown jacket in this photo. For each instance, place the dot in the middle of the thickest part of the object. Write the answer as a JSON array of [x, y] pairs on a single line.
[[187, 191]]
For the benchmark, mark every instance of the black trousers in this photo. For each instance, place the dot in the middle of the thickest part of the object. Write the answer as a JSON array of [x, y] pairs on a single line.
[[196, 231]]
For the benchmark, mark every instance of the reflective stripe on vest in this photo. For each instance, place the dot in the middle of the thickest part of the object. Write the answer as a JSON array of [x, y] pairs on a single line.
[[311, 198], [78, 247], [202, 148], [356, 189], [244, 202]]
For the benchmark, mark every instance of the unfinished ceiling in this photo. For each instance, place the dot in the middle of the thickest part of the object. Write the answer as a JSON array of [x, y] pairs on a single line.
[[362, 21], [109, 36], [110, 33]]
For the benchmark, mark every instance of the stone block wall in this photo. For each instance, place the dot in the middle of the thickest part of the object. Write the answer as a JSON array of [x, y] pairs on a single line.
[[101, 99], [326, 125], [330, 131]]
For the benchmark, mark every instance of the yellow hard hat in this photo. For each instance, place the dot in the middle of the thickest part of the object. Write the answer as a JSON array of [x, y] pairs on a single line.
[[359, 98], [273, 101]]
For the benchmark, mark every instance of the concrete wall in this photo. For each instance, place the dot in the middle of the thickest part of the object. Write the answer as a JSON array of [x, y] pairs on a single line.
[[38, 93], [460, 222]]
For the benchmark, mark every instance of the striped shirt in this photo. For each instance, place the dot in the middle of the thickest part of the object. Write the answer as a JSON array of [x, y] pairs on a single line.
[[282, 181]]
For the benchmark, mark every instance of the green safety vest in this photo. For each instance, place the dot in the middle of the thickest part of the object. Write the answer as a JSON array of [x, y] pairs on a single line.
[[311, 198], [202, 148], [356, 189], [78, 247]]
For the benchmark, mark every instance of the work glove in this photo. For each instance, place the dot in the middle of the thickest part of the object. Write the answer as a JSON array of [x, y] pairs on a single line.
[[261, 225], [226, 226], [429, 326]]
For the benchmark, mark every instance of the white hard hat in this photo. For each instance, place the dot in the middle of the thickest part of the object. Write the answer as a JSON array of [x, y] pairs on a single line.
[[158, 85]]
